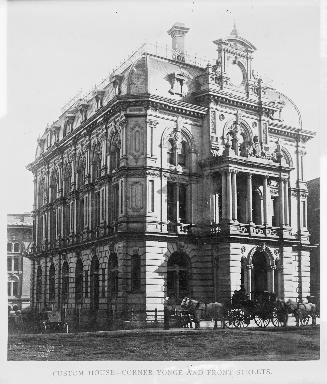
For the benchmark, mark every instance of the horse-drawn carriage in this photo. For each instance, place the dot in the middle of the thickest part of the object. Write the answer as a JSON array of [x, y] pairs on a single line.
[[263, 308], [51, 321]]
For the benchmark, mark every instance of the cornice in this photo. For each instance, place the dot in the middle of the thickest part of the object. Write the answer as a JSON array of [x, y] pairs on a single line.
[[117, 105], [234, 100], [281, 129]]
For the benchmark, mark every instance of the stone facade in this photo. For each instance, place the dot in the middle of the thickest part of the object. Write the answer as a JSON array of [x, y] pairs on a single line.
[[173, 178], [19, 236]]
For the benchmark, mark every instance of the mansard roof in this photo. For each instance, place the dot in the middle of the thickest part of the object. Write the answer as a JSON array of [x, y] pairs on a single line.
[[153, 71]]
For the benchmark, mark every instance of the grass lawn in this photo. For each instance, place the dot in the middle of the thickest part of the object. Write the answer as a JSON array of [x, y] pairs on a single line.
[[207, 344]]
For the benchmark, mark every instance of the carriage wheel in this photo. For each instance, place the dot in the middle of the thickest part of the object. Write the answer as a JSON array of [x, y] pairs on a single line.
[[229, 319], [241, 320], [279, 319], [305, 320], [261, 322]]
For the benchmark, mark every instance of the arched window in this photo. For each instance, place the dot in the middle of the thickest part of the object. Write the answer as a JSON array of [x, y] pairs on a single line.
[[171, 158], [38, 283], [94, 280], [9, 247], [79, 281], [52, 283], [113, 275], [178, 275], [115, 153], [67, 179], [259, 272], [41, 192], [16, 247], [96, 166], [53, 186], [182, 154], [65, 282], [80, 173]]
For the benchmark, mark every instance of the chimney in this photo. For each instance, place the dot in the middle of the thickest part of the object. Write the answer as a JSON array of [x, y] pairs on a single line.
[[177, 33]]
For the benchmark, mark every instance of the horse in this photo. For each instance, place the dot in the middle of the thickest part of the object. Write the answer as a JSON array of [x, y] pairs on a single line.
[[215, 311], [301, 310]]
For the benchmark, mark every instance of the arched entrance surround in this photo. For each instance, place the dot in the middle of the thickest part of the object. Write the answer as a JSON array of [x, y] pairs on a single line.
[[178, 276], [259, 271]]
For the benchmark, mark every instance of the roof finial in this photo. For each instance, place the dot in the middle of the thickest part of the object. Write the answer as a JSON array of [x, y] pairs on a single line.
[[234, 30]]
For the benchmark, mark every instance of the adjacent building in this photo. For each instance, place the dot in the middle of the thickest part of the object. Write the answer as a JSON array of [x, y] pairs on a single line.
[[19, 237], [174, 177], [314, 228]]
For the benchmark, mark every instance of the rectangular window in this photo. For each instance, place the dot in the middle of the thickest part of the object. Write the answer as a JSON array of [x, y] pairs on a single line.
[[115, 208], [171, 202], [304, 214], [182, 203], [15, 288], [16, 264], [9, 264], [67, 220], [151, 195], [136, 272], [97, 208], [86, 285], [9, 288], [121, 197], [86, 211], [103, 282], [59, 221], [71, 216], [102, 205]]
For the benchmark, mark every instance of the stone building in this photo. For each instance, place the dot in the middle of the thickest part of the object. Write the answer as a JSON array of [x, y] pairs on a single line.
[[174, 177], [314, 228], [19, 236]]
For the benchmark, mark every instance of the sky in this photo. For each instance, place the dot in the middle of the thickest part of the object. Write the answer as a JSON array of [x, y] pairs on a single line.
[[56, 48]]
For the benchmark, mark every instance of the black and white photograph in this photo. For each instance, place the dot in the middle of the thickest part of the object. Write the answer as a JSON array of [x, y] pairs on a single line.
[[161, 191]]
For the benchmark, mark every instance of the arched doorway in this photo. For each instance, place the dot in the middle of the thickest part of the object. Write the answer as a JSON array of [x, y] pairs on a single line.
[[259, 272], [178, 276], [94, 278]]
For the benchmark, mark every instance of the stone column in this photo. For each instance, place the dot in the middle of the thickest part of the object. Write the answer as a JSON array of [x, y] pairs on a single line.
[[223, 194], [228, 195], [286, 211], [249, 198], [281, 202], [234, 196], [265, 200], [249, 268], [270, 278]]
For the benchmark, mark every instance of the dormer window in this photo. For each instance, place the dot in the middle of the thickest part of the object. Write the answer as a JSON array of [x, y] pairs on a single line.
[[49, 140], [68, 126], [83, 111], [99, 99], [41, 145], [116, 83], [177, 82]]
